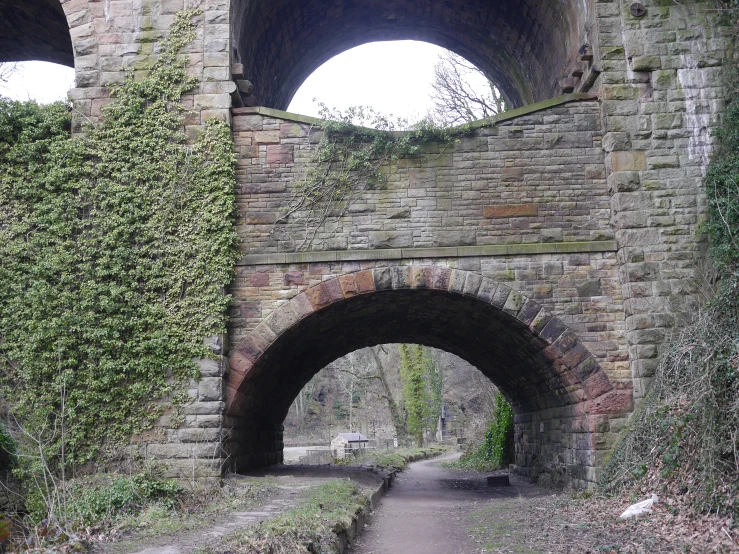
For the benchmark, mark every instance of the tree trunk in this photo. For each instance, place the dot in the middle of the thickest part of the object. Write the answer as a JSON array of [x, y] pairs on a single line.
[[395, 414]]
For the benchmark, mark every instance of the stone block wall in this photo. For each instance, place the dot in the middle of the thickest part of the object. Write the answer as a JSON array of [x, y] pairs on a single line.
[[114, 36], [535, 178], [608, 191], [662, 95]]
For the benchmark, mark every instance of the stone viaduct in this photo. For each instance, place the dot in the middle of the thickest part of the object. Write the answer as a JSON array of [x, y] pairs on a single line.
[[553, 248]]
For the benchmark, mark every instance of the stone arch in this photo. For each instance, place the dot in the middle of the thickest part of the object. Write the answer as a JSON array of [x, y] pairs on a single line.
[[557, 388], [525, 46], [35, 30]]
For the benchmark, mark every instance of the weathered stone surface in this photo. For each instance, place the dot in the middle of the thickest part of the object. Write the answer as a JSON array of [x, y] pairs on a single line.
[[628, 161], [390, 239], [626, 167]]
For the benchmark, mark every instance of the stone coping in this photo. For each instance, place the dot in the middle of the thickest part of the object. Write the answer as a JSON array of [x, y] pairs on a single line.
[[426, 253], [489, 122]]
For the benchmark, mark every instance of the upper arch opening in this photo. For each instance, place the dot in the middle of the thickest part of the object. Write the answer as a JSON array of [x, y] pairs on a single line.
[[34, 30], [524, 46]]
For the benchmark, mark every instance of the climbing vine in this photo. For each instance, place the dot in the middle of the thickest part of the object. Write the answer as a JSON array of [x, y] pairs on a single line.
[[116, 247], [413, 375], [352, 155]]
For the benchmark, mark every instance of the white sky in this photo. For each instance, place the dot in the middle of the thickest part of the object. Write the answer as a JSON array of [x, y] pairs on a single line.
[[41, 81], [392, 77]]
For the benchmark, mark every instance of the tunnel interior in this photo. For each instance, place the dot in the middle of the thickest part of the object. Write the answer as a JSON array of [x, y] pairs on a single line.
[[34, 30], [524, 46], [538, 363], [502, 347]]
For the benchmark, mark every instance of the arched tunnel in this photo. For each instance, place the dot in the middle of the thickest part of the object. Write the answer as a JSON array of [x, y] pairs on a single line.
[[524, 46], [34, 30], [553, 382]]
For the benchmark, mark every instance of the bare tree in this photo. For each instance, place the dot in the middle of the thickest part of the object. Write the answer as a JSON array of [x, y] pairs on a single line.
[[455, 99], [6, 71]]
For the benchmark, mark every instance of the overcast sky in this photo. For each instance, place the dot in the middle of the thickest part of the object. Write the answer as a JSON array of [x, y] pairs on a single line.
[[392, 77]]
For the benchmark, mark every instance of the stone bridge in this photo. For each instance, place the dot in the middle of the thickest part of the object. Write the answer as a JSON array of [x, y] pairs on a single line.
[[553, 248]]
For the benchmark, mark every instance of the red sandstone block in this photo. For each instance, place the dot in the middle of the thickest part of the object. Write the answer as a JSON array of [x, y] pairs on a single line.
[[282, 318], [550, 353], [597, 384], [235, 400], [325, 294], [568, 378], [552, 330], [421, 277], [240, 367], [511, 210], [614, 402], [365, 282], [565, 342], [575, 356], [249, 350], [294, 278], [280, 154], [528, 312], [401, 277], [259, 279], [348, 285], [262, 337]]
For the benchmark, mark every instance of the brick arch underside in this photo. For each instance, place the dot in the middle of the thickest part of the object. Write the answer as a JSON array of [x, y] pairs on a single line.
[[524, 46], [536, 360], [34, 30]]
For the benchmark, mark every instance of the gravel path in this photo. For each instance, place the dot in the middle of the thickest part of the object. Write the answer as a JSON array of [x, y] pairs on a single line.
[[427, 511]]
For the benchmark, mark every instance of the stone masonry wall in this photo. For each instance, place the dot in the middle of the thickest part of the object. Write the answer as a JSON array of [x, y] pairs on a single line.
[[574, 176], [536, 178], [662, 95], [116, 35]]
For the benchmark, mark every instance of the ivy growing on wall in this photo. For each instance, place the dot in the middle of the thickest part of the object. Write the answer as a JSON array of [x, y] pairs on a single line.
[[115, 249], [353, 154]]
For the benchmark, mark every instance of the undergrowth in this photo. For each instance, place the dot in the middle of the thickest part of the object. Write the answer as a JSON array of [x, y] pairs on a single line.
[[684, 439], [101, 508], [310, 528]]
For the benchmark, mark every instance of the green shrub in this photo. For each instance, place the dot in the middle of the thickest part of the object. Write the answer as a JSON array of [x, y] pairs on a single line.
[[87, 504], [496, 449]]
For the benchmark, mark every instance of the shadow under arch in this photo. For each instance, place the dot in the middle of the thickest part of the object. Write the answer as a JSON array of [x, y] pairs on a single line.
[[561, 396], [35, 30]]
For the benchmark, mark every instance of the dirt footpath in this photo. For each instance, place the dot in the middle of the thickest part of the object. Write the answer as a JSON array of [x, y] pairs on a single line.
[[428, 511]]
